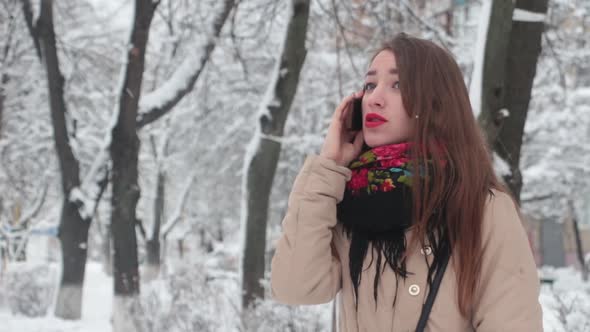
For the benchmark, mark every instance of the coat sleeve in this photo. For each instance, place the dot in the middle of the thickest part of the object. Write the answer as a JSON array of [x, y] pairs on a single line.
[[305, 268], [509, 286]]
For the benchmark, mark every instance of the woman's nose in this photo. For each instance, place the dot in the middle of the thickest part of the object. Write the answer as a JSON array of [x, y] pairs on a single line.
[[376, 98]]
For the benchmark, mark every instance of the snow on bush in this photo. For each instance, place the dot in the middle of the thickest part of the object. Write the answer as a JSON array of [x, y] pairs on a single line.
[[184, 300], [267, 315], [270, 316], [176, 304], [28, 289], [203, 295], [566, 304]]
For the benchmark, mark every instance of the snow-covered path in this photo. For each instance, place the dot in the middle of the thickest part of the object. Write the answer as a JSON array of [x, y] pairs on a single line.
[[96, 311], [566, 306]]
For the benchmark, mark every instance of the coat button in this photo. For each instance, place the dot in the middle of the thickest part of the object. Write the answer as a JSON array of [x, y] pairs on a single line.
[[427, 250], [414, 290]]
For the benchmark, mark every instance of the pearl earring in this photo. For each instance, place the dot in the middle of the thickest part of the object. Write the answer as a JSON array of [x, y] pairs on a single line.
[[417, 116]]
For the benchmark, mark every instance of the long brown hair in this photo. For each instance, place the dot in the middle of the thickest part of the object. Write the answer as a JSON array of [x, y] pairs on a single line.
[[448, 142]]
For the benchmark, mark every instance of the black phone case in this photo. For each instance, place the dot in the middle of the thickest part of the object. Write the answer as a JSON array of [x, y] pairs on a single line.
[[357, 114]]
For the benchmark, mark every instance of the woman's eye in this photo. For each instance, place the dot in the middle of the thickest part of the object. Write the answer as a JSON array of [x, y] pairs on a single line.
[[369, 86], [396, 85]]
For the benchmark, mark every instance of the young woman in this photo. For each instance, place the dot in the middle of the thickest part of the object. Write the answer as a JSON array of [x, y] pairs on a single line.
[[379, 211]]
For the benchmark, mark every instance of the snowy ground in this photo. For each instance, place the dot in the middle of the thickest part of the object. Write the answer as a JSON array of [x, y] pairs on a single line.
[[96, 310], [566, 306]]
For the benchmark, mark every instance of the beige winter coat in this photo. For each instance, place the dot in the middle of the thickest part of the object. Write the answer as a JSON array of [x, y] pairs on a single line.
[[310, 266]]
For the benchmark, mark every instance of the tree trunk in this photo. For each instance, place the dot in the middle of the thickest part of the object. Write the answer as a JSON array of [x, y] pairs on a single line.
[[20, 242], [180, 243], [523, 51], [73, 228], [163, 253], [579, 247], [124, 151], [3, 83], [260, 169], [493, 88], [449, 18], [73, 234], [125, 146], [335, 315], [152, 269], [153, 243], [107, 249], [509, 94]]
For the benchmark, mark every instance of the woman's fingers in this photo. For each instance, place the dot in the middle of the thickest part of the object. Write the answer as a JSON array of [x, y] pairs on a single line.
[[340, 141], [358, 141]]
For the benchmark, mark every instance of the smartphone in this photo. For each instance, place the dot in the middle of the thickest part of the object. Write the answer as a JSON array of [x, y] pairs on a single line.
[[356, 122]]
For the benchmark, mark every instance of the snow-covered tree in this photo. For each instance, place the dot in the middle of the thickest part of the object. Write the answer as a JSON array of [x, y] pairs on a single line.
[[512, 46], [263, 152]]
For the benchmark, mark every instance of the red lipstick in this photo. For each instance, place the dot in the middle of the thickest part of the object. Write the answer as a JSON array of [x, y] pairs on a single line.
[[373, 120]]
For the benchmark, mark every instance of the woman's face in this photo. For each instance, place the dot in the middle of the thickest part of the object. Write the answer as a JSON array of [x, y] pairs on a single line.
[[385, 121]]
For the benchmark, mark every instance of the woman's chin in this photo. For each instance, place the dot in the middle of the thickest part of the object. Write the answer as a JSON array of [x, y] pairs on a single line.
[[374, 142], [370, 144]]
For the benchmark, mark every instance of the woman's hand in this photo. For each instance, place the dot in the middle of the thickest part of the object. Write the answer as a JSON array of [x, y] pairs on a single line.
[[342, 145]]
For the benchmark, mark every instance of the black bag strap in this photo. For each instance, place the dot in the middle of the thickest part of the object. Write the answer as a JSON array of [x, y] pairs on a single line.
[[427, 307]]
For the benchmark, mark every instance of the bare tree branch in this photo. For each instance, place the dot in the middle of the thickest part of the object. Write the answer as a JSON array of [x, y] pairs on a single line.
[[152, 106], [559, 66], [443, 38], [26, 219], [28, 13], [341, 29], [176, 216], [233, 36], [39, 200]]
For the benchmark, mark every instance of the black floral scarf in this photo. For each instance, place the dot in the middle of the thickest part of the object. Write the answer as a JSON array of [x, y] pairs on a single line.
[[376, 210]]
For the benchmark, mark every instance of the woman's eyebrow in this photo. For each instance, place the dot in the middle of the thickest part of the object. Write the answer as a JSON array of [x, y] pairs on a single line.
[[392, 71]]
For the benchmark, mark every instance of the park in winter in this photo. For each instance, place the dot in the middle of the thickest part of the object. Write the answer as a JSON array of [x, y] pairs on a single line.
[[178, 165]]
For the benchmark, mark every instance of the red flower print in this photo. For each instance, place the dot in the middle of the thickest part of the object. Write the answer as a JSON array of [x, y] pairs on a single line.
[[387, 185], [394, 162], [392, 150], [359, 179]]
